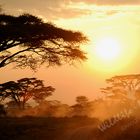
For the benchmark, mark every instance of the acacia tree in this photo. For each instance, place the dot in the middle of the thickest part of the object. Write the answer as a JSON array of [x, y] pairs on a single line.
[[82, 106], [28, 41], [25, 89], [11, 90], [125, 88], [2, 111], [81, 100]]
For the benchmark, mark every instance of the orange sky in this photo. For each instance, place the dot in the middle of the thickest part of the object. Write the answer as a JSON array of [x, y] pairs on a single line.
[[113, 20]]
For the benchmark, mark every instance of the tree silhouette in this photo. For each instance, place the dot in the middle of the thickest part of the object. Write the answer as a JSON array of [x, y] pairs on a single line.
[[11, 90], [81, 108], [81, 100], [125, 88], [3, 112], [27, 41], [25, 89], [33, 88]]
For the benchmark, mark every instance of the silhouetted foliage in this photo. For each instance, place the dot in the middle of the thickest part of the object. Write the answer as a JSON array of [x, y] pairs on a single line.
[[28, 41], [13, 105], [52, 108], [125, 88], [25, 89], [81, 100], [3, 112], [83, 107], [10, 89]]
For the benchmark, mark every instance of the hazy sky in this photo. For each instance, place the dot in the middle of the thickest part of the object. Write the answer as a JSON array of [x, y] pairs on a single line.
[[109, 22]]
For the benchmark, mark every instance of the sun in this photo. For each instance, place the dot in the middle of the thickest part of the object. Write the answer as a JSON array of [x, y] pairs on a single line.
[[107, 49], [107, 55]]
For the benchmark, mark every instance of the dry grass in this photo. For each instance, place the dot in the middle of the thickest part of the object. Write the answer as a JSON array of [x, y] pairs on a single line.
[[31, 128]]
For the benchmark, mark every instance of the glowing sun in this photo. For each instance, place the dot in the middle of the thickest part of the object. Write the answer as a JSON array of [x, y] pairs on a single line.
[[107, 49]]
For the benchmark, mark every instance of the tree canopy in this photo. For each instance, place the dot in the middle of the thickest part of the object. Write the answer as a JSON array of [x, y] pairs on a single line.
[[25, 89], [124, 88], [28, 41], [81, 100]]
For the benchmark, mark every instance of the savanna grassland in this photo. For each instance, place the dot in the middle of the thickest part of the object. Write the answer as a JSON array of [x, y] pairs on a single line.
[[75, 128], [33, 128], [38, 35]]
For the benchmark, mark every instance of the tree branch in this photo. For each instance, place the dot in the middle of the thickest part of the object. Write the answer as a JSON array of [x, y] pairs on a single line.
[[3, 62]]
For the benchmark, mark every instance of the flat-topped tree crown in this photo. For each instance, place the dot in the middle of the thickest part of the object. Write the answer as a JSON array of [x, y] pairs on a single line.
[[124, 88], [28, 41], [21, 91]]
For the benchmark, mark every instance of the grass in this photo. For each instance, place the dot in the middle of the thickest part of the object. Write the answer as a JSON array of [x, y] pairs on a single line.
[[31, 128]]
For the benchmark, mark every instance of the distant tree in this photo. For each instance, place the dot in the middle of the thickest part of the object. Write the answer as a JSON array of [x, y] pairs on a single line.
[[81, 108], [13, 105], [35, 89], [57, 109], [81, 100], [125, 88], [25, 89], [11, 90], [3, 112], [51, 108], [27, 41]]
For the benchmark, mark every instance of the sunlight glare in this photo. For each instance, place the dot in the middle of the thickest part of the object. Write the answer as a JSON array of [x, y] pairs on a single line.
[[107, 49]]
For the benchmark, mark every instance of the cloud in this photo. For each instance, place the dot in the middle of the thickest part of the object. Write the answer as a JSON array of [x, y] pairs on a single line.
[[66, 12], [112, 12], [64, 9], [50, 9], [109, 2]]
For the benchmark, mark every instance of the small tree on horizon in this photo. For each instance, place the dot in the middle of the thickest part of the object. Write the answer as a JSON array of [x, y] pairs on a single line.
[[81, 100], [81, 108]]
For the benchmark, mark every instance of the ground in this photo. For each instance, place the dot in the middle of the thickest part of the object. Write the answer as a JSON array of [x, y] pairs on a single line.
[[76, 128]]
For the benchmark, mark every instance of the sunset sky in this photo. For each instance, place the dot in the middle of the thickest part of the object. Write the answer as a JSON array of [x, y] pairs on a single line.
[[113, 28]]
